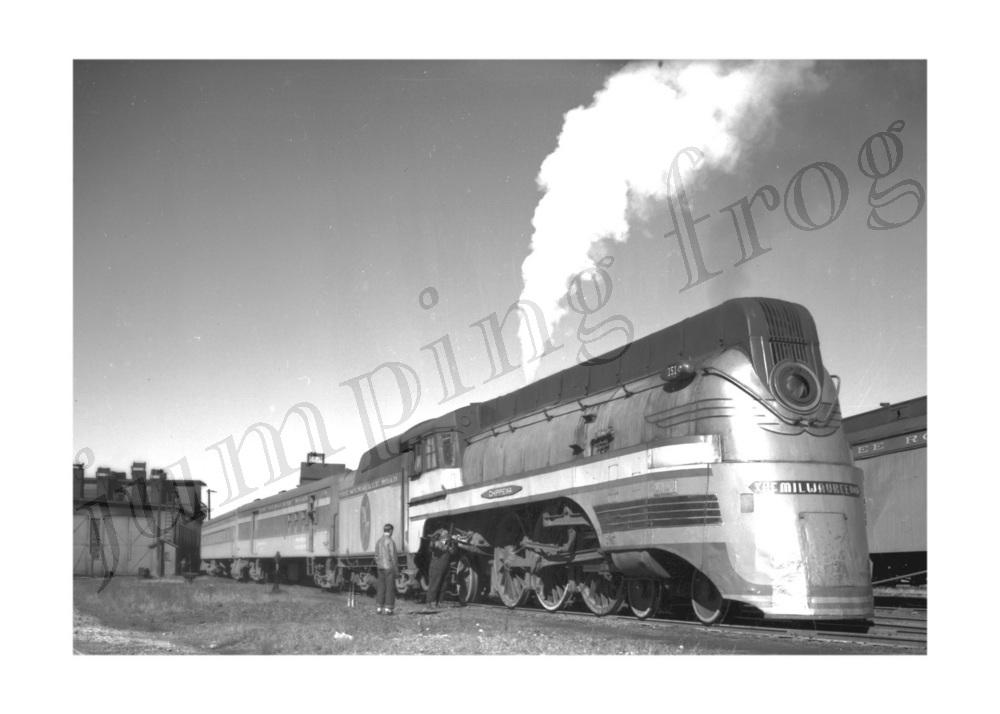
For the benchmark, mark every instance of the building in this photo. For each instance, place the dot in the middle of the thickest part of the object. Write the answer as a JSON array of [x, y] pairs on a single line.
[[127, 526]]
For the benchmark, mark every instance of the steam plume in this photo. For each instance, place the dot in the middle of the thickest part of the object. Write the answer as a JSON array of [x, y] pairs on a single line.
[[613, 158]]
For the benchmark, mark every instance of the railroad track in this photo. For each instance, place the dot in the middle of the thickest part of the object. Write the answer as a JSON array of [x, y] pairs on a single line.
[[903, 626], [892, 627]]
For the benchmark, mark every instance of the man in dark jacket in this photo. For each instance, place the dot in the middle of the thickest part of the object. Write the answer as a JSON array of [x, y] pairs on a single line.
[[442, 549], [385, 561]]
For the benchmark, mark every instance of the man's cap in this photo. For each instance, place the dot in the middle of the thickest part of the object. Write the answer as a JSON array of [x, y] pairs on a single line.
[[387, 528]]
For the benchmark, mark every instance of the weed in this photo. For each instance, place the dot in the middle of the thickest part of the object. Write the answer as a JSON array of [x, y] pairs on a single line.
[[222, 616]]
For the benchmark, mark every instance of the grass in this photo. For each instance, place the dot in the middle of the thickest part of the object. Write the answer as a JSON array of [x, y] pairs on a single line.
[[221, 616]]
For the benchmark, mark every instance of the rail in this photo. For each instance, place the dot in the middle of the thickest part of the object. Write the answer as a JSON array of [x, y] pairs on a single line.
[[890, 628]]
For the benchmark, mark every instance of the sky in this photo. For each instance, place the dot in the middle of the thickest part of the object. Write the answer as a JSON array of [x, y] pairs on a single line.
[[251, 236]]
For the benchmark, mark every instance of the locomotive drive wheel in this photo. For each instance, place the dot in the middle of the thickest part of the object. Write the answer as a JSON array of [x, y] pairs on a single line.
[[510, 582], [602, 593], [706, 600], [644, 597], [552, 587], [552, 584], [466, 579]]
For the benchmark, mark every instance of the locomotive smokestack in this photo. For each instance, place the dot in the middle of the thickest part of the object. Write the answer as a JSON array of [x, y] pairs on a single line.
[[613, 159]]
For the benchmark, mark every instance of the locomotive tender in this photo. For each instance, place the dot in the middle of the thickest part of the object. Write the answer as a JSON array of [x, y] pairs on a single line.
[[704, 463]]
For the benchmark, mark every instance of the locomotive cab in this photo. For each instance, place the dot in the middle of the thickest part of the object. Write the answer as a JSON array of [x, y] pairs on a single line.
[[433, 464]]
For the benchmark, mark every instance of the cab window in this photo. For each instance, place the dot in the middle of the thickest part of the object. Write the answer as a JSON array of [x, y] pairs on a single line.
[[436, 451], [449, 452], [430, 454], [418, 465]]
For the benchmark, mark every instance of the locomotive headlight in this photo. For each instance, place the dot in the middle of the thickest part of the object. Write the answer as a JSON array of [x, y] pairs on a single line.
[[796, 386]]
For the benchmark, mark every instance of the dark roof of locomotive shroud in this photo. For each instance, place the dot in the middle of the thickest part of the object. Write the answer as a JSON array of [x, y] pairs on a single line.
[[728, 325]]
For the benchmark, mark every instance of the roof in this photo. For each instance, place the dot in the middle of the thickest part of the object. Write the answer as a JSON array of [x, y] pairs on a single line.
[[295, 492], [890, 420]]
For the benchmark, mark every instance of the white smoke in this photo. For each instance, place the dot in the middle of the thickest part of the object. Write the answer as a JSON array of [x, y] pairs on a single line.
[[614, 156]]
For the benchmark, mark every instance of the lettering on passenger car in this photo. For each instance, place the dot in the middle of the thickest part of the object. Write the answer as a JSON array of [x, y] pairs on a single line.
[[370, 486], [890, 445]]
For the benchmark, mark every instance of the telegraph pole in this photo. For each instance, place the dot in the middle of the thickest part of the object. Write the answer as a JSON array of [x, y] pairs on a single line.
[[159, 520], [210, 492]]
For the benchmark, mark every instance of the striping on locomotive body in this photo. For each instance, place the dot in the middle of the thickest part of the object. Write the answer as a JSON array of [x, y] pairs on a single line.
[[890, 445], [700, 466]]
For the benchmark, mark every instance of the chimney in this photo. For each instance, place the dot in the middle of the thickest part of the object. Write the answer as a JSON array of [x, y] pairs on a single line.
[[103, 478], [139, 494], [78, 481], [116, 486], [158, 487]]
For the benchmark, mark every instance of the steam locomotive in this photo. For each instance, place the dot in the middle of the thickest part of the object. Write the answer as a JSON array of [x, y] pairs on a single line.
[[697, 467]]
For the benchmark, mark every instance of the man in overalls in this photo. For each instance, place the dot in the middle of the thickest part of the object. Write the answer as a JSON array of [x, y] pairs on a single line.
[[442, 549], [385, 561]]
